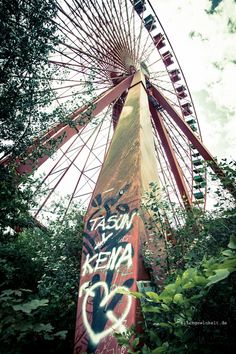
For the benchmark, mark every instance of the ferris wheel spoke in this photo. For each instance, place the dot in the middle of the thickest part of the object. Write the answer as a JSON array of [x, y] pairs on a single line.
[[177, 134], [183, 166], [70, 161], [147, 44], [86, 168], [86, 34], [166, 180], [149, 54], [119, 41], [168, 185], [139, 38], [66, 132], [83, 67], [180, 143], [122, 22], [116, 13], [166, 175], [184, 158], [59, 167], [168, 91], [116, 36], [109, 25], [130, 19], [136, 35], [107, 34], [89, 59]]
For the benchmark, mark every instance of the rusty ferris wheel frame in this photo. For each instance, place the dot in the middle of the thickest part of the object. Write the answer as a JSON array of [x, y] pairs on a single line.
[[102, 41], [146, 130]]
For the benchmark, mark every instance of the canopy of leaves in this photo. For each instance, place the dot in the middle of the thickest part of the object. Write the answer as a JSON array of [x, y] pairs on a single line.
[[27, 37]]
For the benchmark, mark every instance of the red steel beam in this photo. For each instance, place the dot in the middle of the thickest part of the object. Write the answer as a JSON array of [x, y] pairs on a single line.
[[175, 167], [193, 139], [64, 131]]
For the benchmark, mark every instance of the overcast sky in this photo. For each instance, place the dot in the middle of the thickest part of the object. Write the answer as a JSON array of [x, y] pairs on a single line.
[[203, 34]]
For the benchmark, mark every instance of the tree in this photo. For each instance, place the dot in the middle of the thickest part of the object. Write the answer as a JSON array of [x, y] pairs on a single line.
[[27, 38]]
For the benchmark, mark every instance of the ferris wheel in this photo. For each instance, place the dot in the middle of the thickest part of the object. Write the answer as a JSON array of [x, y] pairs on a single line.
[[102, 44], [116, 67]]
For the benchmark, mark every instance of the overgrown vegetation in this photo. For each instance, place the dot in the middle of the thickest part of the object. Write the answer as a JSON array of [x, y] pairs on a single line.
[[39, 272], [39, 268], [27, 37], [194, 311]]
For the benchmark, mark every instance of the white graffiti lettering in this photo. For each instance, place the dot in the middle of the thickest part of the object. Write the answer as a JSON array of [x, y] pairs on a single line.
[[108, 260], [126, 257], [102, 258], [104, 239], [114, 256], [87, 268], [117, 324], [117, 222], [93, 221]]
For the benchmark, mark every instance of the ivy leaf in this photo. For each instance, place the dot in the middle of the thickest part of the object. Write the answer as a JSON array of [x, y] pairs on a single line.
[[136, 294], [135, 342], [164, 325], [170, 289], [42, 327], [165, 307], [220, 275], [189, 274], [228, 253], [232, 242], [153, 309], [153, 296], [30, 306], [61, 334], [178, 299], [159, 350]]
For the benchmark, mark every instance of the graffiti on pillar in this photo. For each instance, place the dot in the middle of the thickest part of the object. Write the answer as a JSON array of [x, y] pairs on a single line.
[[106, 255]]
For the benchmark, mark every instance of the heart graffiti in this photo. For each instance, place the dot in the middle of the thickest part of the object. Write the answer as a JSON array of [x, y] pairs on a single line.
[[116, 323]]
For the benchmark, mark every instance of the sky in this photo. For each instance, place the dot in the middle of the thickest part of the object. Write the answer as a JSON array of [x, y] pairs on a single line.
[[203, 35]]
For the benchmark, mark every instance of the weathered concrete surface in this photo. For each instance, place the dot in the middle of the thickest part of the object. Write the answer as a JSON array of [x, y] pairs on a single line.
[[114, 231]]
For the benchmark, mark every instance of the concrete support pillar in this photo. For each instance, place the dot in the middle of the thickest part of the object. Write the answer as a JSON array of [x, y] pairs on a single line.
[[114, 230]]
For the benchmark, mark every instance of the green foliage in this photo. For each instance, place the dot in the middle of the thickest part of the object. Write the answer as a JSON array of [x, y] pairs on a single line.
[[15, 202], [47, 262], [27, 37], [20, 321], [195, 309], [185, 315]]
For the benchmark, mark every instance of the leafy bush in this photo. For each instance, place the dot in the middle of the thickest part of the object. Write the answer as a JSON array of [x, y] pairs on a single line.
[[20, 322], [47, 263], [194, 311]]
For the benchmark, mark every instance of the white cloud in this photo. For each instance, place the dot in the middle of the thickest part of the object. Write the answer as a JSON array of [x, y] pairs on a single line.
[[207, 62]]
